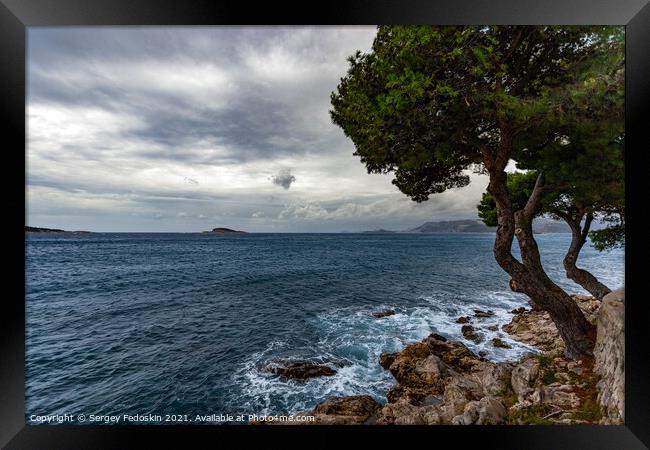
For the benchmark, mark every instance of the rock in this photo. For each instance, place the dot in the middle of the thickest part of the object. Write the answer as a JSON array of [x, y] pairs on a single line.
[[500, 343], [482, 353], [302, 370], [480, 313], [356, 405], [463, 319], [609, 357], [438, 337], [487, 411], [385, 313], [575, 367], [589, 306], [492, 328], [471, 334], [431, 400], [355, 409], [518, 310], [455, 354], [431, 369], [561, 396], [387, 358], [494, 378], [442, 382], [537, 329], [523, 377], [458, 392], [404, 413], [416, 366], [414, 395]]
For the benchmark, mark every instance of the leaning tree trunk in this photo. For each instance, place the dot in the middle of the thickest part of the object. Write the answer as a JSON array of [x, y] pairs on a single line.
[[528, 275], [578, 238]]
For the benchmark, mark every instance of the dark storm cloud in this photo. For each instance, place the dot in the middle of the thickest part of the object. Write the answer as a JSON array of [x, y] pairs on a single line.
[[284, 178], [117, 72], [201, 123]]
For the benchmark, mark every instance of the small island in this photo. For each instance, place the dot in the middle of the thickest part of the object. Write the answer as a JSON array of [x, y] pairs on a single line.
[[224, 231]]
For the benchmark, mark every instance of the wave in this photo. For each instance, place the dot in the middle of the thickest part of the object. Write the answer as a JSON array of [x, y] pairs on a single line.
[[353, 335]]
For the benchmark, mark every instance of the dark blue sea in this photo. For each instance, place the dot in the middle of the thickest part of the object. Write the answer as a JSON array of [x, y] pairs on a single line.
[[186, 323]]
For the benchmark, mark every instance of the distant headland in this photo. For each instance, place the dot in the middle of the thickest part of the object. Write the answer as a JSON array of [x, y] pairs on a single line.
[[224, 231], [34, 230], [540, 225]]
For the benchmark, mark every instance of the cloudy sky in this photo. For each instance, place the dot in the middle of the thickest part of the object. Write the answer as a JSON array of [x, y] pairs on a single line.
[[187, 129]]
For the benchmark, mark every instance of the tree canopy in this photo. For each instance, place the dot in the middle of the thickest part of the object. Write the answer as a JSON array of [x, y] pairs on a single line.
[[430, 102], [580, 149]]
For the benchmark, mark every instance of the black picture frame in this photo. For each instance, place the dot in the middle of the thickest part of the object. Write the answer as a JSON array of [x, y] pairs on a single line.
[[17, 15]]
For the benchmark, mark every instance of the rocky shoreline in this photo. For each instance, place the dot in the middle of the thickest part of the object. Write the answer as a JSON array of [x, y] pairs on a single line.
[[439, 381]]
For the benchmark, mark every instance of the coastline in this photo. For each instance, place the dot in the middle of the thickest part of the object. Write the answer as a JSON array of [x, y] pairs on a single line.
[[439, 381]]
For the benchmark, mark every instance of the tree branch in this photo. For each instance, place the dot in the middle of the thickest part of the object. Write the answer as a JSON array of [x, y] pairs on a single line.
[[585, 229], [532, 205]]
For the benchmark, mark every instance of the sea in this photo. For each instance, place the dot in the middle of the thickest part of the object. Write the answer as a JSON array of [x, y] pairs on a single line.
[[188, 324]]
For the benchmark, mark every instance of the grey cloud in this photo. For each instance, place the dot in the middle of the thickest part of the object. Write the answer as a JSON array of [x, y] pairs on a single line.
[[121, 115], [284, 178], [82, 67]]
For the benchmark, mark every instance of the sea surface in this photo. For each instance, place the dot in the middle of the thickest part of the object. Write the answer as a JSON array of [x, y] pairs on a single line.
[[186, 323]]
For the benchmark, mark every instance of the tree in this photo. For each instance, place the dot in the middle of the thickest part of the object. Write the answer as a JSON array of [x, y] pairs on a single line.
[[578, 214], [430, 102], [582, 155]]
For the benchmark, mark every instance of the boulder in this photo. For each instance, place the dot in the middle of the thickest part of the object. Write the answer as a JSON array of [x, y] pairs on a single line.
[[609, 357], [463, 319], [481, 313], [302, 370], [487, 411], [403, 413], [416, 367], [384, 313], [458, 392], [497, 342], [561, 396], [470, 333], [494, 378], [523, 377], [535, 328], [356, 409]]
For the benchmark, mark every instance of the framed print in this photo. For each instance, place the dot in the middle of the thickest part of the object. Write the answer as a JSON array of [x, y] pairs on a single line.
[[398, 220]]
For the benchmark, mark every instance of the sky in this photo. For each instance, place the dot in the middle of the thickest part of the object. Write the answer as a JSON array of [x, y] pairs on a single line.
[[174, 129]]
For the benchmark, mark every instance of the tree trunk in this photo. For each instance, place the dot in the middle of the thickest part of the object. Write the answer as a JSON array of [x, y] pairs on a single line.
[[528, 275], [584, 278]]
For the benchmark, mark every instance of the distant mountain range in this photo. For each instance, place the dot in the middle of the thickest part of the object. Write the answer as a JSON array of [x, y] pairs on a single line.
[[454, 226], [540, 225]]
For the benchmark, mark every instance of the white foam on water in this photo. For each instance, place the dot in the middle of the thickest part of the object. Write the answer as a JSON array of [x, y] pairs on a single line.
[[353, 335]]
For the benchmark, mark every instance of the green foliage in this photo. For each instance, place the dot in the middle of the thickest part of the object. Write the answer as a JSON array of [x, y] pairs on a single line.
[[508, 397], [583, 152], [608, 238], [520, 185], [548, 377], [547, 369], [589, 411], [428, 102], [545, 361], [532, 415]]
